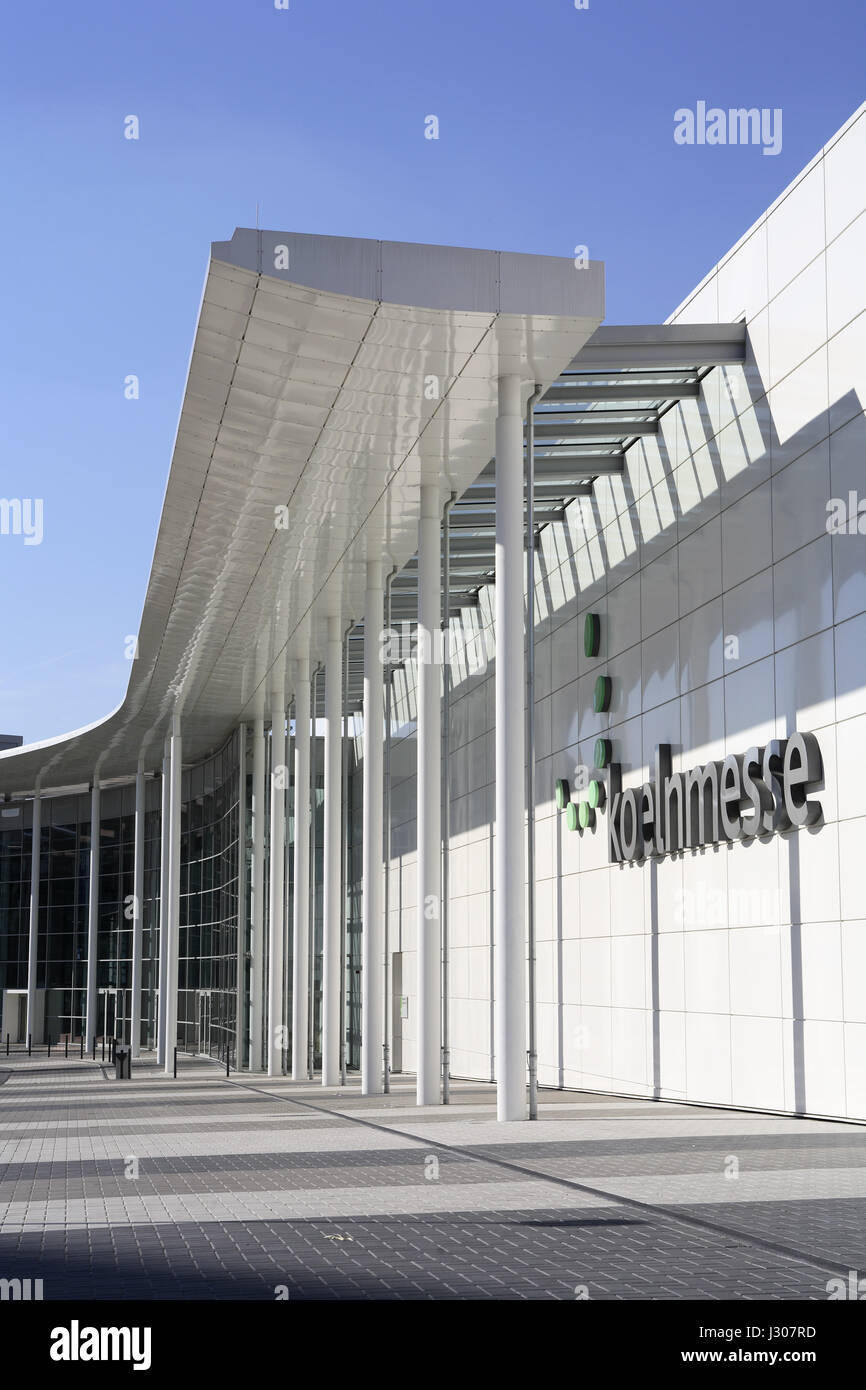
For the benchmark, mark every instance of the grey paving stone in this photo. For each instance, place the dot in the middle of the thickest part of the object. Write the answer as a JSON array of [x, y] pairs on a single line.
[[189, 1226]]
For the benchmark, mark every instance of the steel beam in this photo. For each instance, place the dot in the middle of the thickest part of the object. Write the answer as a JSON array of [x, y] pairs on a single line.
[[596, 426], [586, 462], [671, 345], [562, 392]]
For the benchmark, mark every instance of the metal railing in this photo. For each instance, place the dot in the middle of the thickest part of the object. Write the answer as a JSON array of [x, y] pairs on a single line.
[[60, 1047], [223, 1057]]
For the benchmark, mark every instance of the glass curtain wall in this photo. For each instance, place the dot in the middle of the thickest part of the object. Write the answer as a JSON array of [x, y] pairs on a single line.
[[211, 826], [15, 845], [64, 885], [207, 953]]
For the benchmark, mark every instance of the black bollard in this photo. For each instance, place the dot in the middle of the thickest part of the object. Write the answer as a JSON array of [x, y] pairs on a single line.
[[66, 1046], [175, 1064], [94, 1047], [49, 1044], [29, 1041], [81, 1044]]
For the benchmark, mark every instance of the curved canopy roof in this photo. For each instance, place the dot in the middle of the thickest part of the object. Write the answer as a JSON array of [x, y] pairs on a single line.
[[330, 378]]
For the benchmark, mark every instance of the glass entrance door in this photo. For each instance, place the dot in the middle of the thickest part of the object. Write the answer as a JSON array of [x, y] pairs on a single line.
[[108, 1011], [121, 1015], [203, 1038]]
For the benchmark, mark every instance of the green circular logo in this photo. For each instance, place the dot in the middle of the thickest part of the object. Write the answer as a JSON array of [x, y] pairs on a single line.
[[591, 634], [595, 794], [571, 816], [563, 794], [601, 695], [585, 815], [602, 752]]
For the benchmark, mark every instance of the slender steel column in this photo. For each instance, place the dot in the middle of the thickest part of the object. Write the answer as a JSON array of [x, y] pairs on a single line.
[[429, 803], [331, 933], [344, 858], [137, 911], [446, 792], [301, 905], [530, 746], [276, 903], [33, 941], [386, 849], [311, 958], [173, 918], [509, 923], [93, 912], [288, 859], [257, 895], [241, 956], [165, 840], [372, 943]]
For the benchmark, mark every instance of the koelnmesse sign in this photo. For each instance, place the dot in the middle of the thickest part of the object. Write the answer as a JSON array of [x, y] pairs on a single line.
[[760, 792]]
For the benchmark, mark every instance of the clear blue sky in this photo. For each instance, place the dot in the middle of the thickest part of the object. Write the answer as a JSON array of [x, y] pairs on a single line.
[[556, 128]]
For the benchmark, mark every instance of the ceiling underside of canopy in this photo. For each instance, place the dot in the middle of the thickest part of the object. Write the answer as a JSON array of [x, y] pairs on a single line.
[[330, 379]]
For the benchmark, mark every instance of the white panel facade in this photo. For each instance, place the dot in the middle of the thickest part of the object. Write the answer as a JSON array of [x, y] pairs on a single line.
[[731, 974]]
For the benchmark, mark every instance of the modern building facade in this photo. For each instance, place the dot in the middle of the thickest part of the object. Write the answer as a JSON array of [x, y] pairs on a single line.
[[329, 837]]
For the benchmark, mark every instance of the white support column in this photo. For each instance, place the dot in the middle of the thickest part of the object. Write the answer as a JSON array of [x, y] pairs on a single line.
[[373, 937], [509, 932], [429, 817], [276, 899], [301, 905], [288, 854], [92, 915], [33, 942], [164, 841], [332, 866], [257, 895], [242, 924], [173, 895], [346, 825], [313, 881], [137, 912]]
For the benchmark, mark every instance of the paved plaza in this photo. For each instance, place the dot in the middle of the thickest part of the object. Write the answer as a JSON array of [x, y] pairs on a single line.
[[244, 1188]]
